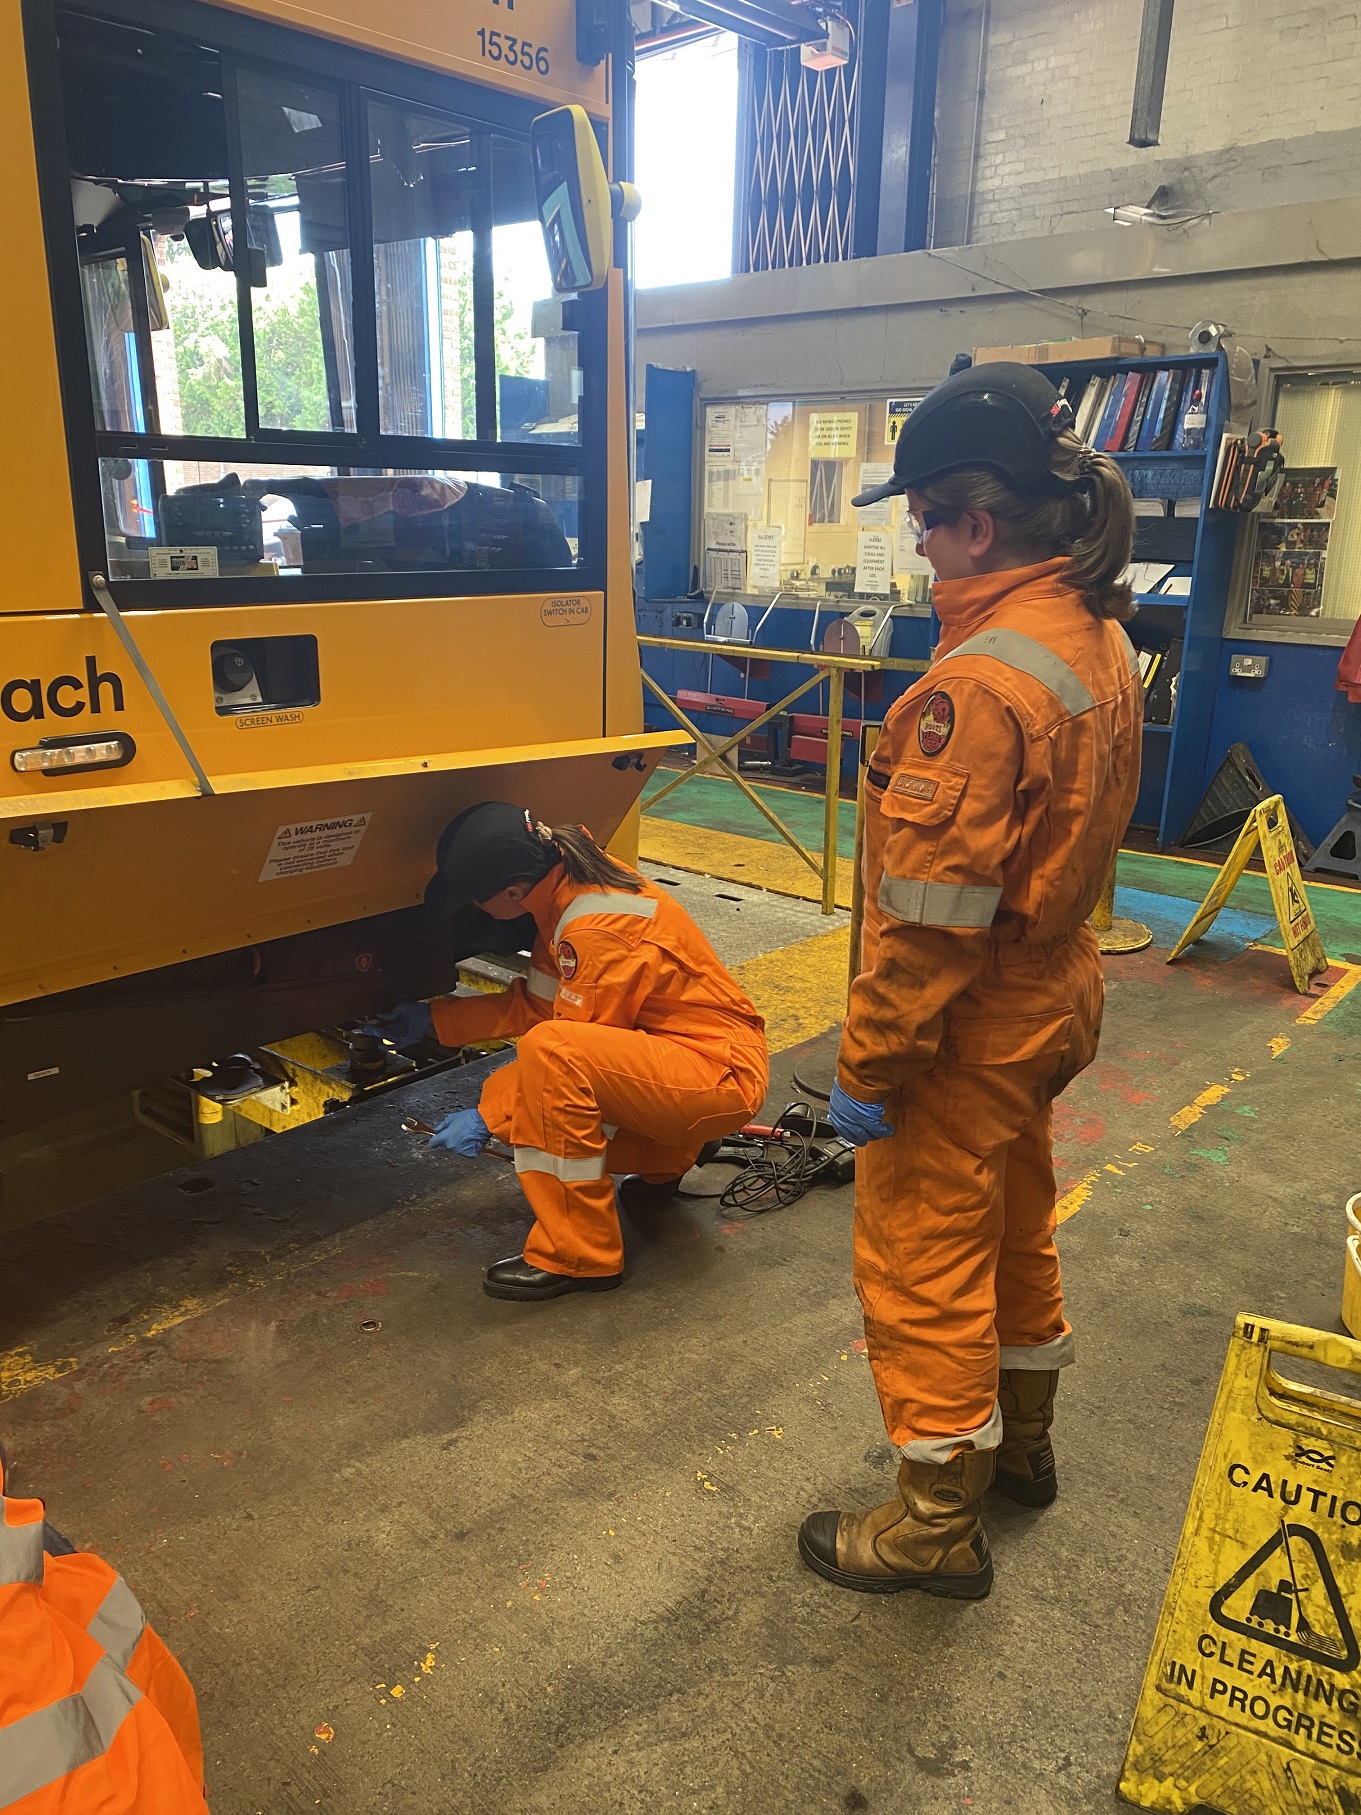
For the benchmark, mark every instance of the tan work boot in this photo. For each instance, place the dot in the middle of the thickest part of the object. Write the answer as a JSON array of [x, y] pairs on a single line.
[[1025, 1462], [928, 1536]]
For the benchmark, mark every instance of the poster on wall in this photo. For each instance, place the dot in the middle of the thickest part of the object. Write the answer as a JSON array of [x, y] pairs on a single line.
[[763, 566], [896, 412], [787, 505], [1290, 556], [833, 434], [873, 562], [874, 473]]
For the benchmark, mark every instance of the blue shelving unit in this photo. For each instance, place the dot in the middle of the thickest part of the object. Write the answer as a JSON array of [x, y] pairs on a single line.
[[1175, 756]]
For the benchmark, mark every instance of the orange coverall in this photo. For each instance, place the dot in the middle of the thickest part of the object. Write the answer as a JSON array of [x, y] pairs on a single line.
[[96, 1716], [635, 1047], [999, 792]]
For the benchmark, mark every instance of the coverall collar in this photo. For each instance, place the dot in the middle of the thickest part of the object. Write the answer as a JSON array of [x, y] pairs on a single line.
[[964, 607], [542, 899]]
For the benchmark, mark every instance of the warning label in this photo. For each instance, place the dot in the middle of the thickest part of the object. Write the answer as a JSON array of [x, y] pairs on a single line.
[[314, 844], [1254, 1673]]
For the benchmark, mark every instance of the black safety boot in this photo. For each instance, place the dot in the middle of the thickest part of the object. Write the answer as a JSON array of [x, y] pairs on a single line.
[[516, 1278], [638, 1193], [1025, 1461], [929, 1536]]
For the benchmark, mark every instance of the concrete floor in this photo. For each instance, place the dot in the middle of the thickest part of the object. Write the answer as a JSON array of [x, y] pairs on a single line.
[[565, 1533]]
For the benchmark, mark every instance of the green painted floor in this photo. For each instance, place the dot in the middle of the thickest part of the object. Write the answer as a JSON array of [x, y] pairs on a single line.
[[721, 807]]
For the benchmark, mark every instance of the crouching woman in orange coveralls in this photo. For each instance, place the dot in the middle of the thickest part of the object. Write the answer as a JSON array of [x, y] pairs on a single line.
[[635, 1046], [1001, 787]]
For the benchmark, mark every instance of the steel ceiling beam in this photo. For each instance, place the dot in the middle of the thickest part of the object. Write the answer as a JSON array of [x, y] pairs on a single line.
[[774, 23]]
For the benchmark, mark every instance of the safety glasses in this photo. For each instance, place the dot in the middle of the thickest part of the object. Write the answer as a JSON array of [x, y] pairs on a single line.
[[921, 522]]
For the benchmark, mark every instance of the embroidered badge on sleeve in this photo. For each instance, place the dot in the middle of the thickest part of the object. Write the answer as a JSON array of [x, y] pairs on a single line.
[[937, 724]]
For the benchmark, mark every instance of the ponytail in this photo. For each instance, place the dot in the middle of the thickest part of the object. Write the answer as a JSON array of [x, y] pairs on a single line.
[[584, 860], [1092, 524]]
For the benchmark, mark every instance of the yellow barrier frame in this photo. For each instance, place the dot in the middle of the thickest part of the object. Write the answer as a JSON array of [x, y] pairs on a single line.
[[835, 668]]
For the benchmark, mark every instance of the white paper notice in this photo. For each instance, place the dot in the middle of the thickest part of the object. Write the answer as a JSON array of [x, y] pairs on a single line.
[[642, 501], [724, 572], [905, 556], [787, 504], [720, 487], [873, 561], [726, 531], [751, 434], [719, 427], [763, 573], [314, 844], [872, 473]]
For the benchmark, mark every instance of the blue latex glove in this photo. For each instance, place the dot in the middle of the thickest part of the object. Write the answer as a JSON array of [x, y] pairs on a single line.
[[856, 1122], [463, 1132], [404, 1024]]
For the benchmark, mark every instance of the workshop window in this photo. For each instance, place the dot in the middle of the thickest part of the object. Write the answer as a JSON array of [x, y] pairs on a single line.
[[253, 416], [1302, 564]]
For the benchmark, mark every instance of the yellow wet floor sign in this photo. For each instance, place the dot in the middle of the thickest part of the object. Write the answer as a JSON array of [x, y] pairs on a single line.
[[1251, 1704], [1268, 825]]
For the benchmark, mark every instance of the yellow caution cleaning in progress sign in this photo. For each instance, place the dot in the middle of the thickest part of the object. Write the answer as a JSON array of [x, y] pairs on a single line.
[[1251, 1703], [1268, 825]]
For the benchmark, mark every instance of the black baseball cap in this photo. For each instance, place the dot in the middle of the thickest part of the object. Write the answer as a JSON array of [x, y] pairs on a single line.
[[1001, 417], [483, 851]]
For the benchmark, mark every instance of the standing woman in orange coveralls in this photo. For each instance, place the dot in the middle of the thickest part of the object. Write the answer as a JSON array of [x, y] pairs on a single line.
[[1001, 787], [635, 1046]]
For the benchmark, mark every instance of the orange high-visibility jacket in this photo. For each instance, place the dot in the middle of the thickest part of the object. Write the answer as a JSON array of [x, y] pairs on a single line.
[[996, 801], [618, 960], [96, 1716]]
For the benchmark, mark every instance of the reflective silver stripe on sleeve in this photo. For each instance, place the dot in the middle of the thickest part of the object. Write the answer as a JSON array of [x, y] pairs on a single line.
[[540, 984], [571, 1172], [938, 903], [1041, 1357], [50, 1743], [118, 1624], [21, 1551], [1027, 656], [609, 1130], [1133, 655], [643, 907]]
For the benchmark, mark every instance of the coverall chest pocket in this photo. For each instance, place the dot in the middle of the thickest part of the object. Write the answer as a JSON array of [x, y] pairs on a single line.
[[920, 795], [574, 1001], [1000, 1073]]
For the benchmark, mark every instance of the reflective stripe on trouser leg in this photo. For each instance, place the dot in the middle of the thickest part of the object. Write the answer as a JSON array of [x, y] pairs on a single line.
[[559, 1140], [1030, 1320], [941, 1449], [1040, 1357], [929, 1226]]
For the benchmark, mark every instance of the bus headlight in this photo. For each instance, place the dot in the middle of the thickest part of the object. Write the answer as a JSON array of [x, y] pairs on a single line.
[[62, 755]]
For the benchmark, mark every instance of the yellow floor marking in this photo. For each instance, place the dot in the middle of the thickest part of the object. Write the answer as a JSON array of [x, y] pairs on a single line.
[[1077, 1195], [733, 858], [1330, 998], [19, 1371], [800, 989], [1193, 1111], [1278, 1044], [1072, 1201]]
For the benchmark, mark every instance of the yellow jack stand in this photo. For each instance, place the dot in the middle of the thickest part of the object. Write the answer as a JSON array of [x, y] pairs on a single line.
[[1114, 935]]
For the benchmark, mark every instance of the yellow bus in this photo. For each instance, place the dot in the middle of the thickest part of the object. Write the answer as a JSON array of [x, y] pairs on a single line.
[[315, 508]]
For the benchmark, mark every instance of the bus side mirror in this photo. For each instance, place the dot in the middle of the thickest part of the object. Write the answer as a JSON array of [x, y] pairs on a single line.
[[576, 200]]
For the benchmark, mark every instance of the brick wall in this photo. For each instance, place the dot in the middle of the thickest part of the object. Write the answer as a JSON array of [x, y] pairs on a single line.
[[1263, 105]]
